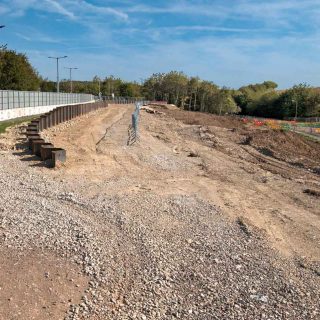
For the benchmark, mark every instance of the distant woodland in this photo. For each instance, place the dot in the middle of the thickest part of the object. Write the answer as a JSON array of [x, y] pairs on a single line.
[[189, 93]]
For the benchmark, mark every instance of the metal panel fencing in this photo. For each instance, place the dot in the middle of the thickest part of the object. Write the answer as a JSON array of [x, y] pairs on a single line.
[[10, 99], [133, 132]]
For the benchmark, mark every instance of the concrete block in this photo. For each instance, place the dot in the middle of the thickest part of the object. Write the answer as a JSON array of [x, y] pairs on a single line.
[[53, 155], [45, 152], [60, 114], [37, 147], [59, 156], [42, 122], [31, 138], [31, 132], [47, 121], [35, 143], [31, 128], [56, 116], [32, 125], [50, 119]]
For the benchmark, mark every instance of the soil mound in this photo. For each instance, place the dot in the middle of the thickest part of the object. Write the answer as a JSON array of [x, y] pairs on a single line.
[[286, 146]]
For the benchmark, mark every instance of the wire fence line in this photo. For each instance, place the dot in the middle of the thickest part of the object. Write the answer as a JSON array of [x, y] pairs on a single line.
[[133, 131], [124, 100], [11, 99]]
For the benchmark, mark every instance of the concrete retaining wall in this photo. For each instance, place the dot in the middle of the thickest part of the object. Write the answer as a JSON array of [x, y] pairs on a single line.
[[24, 112]]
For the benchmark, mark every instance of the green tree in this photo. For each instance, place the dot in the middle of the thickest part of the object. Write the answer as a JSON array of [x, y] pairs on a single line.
[[16, 72], [47, 86], [153, 87], [300, 100], [247, 97], [130, 89], [193, 88]]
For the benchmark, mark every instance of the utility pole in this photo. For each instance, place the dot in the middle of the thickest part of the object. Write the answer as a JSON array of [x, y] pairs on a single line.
[[2, 46], [70, 70], [58, 58]]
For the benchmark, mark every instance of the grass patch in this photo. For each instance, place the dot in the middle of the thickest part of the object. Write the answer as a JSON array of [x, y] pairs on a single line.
[[12, 122], [309, 136]]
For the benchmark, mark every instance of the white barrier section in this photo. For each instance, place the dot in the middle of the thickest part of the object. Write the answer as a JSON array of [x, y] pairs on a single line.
[[16, 104], [25, 112]]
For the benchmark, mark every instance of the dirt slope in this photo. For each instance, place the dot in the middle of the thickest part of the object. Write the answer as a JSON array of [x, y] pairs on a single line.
[[195, 221], [262, 180]]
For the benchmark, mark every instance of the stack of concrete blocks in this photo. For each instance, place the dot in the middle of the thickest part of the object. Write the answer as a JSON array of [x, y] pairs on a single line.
[[46, 150]]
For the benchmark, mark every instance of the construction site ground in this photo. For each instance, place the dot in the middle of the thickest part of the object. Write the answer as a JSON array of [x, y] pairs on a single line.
[[204, 217]]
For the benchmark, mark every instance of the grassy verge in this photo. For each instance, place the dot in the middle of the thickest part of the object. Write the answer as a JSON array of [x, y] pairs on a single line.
[[309, 136], [12, 122]]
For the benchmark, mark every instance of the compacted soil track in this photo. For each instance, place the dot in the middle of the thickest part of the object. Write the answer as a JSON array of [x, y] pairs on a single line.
[[200, 219]]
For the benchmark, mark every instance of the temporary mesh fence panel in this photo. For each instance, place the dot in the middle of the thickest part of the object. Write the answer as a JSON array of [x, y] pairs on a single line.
[[10, 99]]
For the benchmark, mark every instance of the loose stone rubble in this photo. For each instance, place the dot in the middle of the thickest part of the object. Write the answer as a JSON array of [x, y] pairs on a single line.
[[150, 256]]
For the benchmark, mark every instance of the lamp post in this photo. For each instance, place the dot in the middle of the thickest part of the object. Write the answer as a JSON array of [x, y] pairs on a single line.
[[70, 70], [58, 58], [2, 46]]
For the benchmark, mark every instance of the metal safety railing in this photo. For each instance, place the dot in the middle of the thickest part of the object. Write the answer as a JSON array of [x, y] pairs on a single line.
[[10, 99]]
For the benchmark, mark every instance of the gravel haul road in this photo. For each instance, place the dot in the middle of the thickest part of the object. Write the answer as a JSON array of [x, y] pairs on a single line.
[[195, 221]]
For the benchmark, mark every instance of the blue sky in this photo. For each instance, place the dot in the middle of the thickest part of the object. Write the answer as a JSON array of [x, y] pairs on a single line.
[[231, 43]]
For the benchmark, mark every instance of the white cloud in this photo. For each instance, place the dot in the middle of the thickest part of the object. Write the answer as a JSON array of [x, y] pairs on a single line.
[[22, 36], [56, 7], [183, 8], [272, 12], [71, 9], [37, 36], [3, 10], [100, 10], [229, 42]]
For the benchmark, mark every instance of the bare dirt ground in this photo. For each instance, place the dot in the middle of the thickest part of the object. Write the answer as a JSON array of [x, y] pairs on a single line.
[[203, 218], [37, 286], [253, 173]]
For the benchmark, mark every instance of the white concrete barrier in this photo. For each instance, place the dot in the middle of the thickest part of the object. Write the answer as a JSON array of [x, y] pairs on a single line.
[[30, 111]]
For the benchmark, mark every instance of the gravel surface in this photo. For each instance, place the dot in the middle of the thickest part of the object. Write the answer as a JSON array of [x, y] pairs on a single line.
[[153, 257]]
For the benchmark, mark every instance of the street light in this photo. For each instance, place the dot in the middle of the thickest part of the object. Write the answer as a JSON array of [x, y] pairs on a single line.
[[70, 69], [57, 58], [2, 46]]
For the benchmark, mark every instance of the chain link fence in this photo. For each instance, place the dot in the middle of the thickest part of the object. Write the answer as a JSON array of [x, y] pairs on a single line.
[[10, 99]]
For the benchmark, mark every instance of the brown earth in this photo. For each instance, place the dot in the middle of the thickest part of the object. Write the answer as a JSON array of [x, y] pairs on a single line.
[[37, 285], [267, 181], [286, 146], [254, 174]]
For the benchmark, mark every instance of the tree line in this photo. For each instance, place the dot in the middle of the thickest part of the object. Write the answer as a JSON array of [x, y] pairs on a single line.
[[189, 93], [263, 100], [107, 86], [260, 100]]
